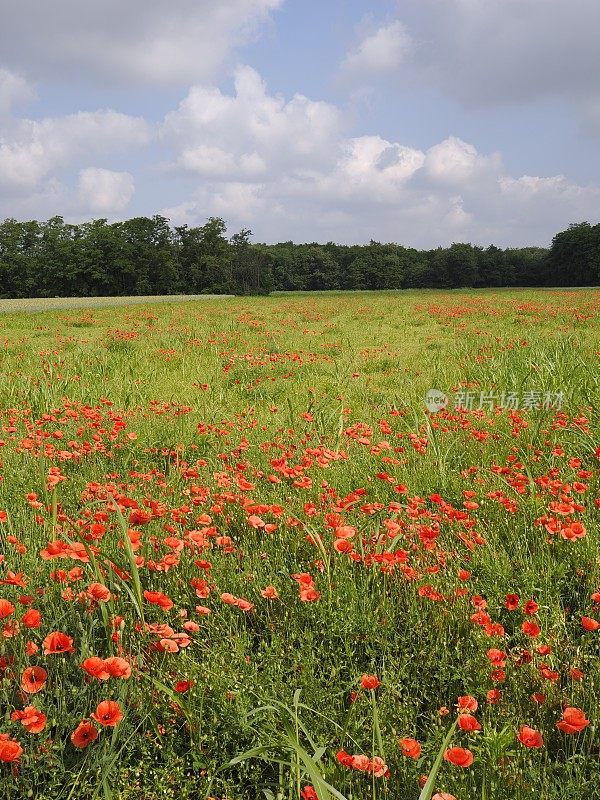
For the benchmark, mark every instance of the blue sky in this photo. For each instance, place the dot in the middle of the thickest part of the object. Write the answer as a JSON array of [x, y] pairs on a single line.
[[417, 121]]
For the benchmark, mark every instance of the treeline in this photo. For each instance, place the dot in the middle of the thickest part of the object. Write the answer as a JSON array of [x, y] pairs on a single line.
[[146, 256]]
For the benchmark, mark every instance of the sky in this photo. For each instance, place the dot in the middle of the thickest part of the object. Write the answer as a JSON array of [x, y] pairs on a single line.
[[421, 122]]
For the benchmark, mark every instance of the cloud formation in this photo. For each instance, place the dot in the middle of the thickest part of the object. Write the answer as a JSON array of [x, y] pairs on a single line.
[[380, 52], [249, 133], [290, 170], [103, 191], [114, 42], [491, 52], [293, 166], [36, 148]]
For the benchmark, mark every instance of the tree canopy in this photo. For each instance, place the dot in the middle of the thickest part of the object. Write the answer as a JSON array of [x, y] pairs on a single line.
[[146, 256]]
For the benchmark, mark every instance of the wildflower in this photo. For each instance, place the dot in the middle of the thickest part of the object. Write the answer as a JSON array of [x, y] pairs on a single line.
[[108, 713], [33, 721], [531, 628], [573, 720], [531, 607], [493, 696], [530, 737], [459, 756], [6, 608], [370, 682], [159, 599], [117, 667], [9, 749], [84, 734], [511, 602], [33, 679], [410, 747], [467, 703], [31, 618], [98, 592], [94, 667], [58, 642], [589, 624], [467, 722], [184, 686]]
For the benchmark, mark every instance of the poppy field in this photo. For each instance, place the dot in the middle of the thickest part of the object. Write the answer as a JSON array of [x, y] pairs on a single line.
[[241, 558]]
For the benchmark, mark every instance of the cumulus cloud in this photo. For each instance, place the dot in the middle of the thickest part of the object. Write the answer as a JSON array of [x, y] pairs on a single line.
[[138, 41], [36, 148], [15, 91], [456, 162], [102, 191], [250, 133], [380, 52], [289, 169]]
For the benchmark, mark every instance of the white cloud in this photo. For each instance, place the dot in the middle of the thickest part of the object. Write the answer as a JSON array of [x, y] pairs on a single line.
[[250, 133], [309, 180], [455, 162], [491, 52], [14, 91], [115, 42], [379, 52], [36, 148], [104, 191]]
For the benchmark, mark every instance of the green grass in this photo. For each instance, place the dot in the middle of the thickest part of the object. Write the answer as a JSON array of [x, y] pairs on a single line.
[[305, 413]]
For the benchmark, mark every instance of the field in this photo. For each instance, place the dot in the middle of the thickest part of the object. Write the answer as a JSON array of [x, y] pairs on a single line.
[[241, 558]]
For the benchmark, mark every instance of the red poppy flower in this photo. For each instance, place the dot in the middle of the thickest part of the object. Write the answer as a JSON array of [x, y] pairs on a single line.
[[9, 750], [467, 722], [410, 747], [576, 674], [511, 602], [6, 608], [531, 607], [33, 721], [531, 628], [589, 624], [184, 686], [84, 734], [58, 642], [33, 679], [360, 762], [497, 657], [108, 713], [159, 599], [96, 668], [370, 682], [117, 667], [98, 592], [309, 595], [32, 618], [573, 720], [443, 796], [530, 737], [467, 703], [344, 758], [459, 756]]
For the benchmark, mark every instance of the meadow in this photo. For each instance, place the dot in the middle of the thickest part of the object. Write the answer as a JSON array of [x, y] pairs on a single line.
[[240, 557]]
